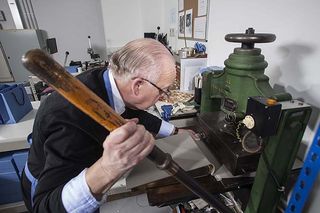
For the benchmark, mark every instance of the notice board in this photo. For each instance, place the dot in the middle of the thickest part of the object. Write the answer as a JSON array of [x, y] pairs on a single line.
[[193, 19]]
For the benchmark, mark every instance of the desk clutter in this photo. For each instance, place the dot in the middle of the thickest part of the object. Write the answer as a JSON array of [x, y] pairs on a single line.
[[179, 104], [177, 97]]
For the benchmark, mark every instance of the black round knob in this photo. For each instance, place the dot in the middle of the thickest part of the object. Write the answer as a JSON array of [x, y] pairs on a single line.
[[249, 38]]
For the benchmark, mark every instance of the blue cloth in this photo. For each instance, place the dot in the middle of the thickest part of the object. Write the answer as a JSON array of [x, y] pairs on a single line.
[[167, 110], [107, 85], [200, 48], [32, 180], [72, 69], [30, 177]]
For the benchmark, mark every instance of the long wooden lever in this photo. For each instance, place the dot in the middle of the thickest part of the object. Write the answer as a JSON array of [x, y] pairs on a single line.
[[50, 71]]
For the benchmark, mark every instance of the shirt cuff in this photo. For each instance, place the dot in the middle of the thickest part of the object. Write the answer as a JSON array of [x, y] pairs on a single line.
[[166, 129], [76, 195]]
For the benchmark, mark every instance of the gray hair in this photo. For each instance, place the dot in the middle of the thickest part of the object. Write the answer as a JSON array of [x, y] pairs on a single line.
[[139, 58]]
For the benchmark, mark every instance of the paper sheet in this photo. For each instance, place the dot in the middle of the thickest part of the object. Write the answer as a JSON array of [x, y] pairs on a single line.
[[200, 27], [202, 7], [190, 110], [188, 23], [181, 24]]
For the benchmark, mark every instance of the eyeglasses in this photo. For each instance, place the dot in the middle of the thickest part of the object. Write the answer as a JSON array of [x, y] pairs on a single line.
[[166, 93]]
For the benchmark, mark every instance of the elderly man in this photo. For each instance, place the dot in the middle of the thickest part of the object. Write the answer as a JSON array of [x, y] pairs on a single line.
[[73, 161]]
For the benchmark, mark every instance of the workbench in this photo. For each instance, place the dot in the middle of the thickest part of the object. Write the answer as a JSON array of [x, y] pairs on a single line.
[[13, 137]]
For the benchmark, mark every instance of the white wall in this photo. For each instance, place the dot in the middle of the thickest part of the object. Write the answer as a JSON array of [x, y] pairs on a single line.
[[171, 21], [71, 22], [126, 20]]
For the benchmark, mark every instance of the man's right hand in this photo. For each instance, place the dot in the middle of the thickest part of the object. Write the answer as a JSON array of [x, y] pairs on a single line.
[[124, 148]]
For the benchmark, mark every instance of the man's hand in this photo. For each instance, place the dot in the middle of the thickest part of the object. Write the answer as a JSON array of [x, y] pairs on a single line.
[[123, 149], [192, 133]]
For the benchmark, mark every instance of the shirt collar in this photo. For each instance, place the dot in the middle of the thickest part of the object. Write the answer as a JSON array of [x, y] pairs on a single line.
[[119, 105]]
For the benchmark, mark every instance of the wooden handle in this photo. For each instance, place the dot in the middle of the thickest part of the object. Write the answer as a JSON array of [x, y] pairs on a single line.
[[48, 70]]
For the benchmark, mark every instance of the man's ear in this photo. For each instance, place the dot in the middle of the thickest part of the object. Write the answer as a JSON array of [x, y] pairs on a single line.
[[136, 86]]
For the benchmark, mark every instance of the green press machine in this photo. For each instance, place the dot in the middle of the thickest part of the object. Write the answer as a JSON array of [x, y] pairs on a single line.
[[248, 125]]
